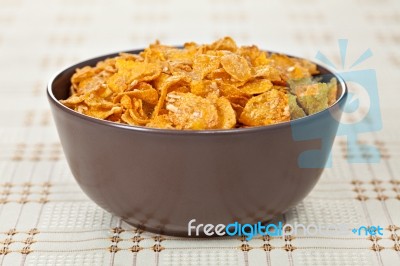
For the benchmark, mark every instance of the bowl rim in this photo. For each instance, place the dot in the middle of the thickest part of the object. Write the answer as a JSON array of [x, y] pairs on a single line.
[[59, 105]]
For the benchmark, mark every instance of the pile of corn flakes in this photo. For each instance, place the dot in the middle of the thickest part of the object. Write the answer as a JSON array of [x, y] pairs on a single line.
[[215, 86]]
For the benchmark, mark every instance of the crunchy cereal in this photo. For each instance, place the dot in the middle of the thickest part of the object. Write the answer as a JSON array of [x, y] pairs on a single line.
[[198, 87]]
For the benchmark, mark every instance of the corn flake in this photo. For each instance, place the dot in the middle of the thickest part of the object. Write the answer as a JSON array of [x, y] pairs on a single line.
[[188, 111], [197, 87], [236, 66], [268, 108]]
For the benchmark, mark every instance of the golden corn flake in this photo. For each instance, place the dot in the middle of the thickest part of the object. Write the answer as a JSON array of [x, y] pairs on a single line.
[[225, 44], [236, 66], [188, 111], [226, 114], [256, 86], [204, 64], [268, 108], [204, 88], [161, 121], [200, 87]]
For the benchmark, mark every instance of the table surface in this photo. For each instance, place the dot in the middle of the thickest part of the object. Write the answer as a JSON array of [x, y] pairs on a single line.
[[45, 219]]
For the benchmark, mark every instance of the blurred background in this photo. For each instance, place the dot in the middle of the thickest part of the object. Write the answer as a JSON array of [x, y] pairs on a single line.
[[37, 38]]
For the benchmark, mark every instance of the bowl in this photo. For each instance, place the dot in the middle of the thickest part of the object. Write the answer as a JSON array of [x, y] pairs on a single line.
[[159, 180]]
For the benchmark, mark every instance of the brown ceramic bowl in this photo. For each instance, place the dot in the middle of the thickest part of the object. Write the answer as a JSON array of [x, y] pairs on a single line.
[[159, 179]]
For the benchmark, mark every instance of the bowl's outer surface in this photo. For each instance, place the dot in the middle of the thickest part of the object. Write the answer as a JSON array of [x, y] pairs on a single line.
[[159, 180]]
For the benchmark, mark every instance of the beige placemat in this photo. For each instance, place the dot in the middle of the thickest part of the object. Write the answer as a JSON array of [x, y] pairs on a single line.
[[45, 219]]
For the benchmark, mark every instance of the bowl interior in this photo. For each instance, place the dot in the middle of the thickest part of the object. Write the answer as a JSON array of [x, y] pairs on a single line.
[[59, 89]]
